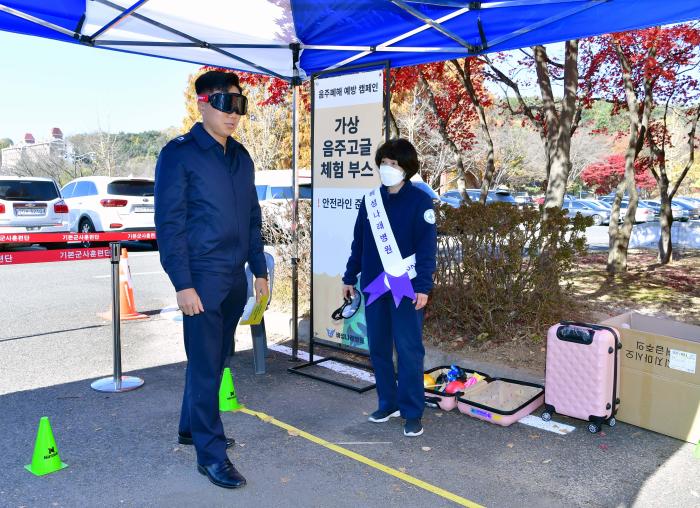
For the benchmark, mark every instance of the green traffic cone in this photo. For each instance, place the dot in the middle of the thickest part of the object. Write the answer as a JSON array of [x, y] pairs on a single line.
[[227, 393], [45, 459]]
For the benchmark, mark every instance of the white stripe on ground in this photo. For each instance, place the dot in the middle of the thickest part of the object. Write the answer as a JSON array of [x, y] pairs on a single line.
[[550, 426], [132, 274], [334, 366], [533, 421]]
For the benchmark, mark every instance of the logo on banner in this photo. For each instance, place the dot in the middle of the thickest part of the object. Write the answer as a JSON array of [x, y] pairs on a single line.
[[330, 332]]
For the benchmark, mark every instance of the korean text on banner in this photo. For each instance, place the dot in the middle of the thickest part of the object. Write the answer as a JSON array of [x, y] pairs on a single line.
[[348, 113]]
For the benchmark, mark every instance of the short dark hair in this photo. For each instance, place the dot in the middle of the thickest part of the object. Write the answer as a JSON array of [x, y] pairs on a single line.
[[216, 81], [402, 151]]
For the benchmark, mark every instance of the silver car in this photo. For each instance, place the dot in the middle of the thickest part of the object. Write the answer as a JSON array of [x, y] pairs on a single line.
[[32, 205], [587, 208]]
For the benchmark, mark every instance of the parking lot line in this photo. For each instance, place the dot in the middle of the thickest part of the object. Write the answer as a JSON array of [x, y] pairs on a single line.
[[364, 460]]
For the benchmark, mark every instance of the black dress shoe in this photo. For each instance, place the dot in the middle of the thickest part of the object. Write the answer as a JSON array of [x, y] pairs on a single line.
[[223, 474], [187, 440]]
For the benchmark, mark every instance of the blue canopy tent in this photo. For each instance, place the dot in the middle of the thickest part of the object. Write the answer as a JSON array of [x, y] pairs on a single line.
[[293, 39], [262, 35]]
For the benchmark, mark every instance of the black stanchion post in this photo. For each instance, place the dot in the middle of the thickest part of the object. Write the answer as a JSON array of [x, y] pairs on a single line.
[[117, 382]]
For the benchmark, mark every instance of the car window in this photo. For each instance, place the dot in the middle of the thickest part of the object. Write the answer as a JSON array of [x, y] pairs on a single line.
[[305, 191], [67, 191], [130, 188], [281, 193], [28, 190], [81, 189]]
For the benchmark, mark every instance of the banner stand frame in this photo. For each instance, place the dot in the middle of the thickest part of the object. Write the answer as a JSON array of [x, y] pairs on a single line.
[[298, 369]]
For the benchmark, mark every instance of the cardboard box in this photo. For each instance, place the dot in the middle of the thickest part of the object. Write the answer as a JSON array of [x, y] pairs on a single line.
[[660, 378]]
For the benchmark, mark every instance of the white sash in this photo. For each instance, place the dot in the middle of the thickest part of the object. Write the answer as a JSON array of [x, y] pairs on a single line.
[[392, 261]]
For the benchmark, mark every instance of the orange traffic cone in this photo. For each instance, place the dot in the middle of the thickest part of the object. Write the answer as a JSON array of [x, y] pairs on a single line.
[[127, 305]]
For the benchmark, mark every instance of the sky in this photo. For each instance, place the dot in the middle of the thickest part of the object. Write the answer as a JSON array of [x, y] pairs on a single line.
[[46, 84]]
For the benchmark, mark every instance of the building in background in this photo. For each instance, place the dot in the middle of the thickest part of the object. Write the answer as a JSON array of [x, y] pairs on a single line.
[[29, 148]]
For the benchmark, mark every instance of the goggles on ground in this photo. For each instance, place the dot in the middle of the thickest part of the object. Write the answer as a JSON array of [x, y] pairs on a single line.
[[349, 308], [226, 102]]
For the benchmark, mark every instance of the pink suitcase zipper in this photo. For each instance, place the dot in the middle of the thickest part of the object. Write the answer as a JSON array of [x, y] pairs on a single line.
[[582, 373]]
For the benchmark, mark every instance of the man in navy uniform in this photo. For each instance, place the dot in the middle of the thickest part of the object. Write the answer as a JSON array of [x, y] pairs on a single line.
[[208, 224]]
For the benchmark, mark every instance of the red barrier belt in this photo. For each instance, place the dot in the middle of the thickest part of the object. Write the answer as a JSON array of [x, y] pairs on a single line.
[[76, 237], [46, 256]]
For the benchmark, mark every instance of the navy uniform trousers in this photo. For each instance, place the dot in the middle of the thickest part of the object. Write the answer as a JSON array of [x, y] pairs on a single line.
[[389, 326], [208, 338]]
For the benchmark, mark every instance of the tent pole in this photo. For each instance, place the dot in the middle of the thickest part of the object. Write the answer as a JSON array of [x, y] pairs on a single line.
[[295, 47]]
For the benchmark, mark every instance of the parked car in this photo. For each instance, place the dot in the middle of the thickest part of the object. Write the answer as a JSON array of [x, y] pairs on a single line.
[[679, 213], [268, 192], [692, 208], [32, 205], [692, 200], [454, 198], [644, 213], [107, 204], [587, 208], [524, 199]]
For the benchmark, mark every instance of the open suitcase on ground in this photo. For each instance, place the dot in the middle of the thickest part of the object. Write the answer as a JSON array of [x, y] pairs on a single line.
[[497, 400], [582, 373], [501, 401], [437, 398]]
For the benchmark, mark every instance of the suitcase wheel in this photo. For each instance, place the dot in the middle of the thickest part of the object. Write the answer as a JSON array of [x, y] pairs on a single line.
[[593, 428], [546, 416], [612, 422]]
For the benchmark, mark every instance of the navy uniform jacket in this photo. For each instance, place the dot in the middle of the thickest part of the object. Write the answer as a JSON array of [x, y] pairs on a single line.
[[207, 213], [412, 219]]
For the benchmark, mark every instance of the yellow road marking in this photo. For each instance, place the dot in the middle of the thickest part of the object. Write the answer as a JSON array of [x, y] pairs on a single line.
[[361, 458]]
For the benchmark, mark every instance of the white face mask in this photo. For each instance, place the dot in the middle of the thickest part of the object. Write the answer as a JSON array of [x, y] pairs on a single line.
[[389, 175]]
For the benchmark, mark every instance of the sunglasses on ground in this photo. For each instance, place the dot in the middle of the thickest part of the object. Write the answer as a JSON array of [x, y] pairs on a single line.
[[226, 102]]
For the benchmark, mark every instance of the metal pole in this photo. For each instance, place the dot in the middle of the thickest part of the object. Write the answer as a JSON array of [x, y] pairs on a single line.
[[295, 47], [117, 382]]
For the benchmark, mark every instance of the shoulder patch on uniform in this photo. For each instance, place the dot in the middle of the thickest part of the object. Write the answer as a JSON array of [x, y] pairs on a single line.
[[429, 216], [181, 139]]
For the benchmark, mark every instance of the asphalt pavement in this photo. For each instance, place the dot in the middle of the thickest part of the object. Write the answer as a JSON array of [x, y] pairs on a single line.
[[121, 448]]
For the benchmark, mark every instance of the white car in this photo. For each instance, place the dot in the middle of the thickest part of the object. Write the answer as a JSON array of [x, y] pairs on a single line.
[[32, 205], [110, 204]]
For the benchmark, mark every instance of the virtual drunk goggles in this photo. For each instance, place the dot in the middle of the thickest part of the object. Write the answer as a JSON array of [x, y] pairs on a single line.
[[226, 102], [349, 307]]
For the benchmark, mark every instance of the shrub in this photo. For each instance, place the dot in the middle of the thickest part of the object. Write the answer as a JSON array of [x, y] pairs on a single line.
[[500, 269]]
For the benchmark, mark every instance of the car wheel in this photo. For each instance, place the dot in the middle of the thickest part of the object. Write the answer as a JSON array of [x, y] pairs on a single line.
[[597, 220], [86, 226]]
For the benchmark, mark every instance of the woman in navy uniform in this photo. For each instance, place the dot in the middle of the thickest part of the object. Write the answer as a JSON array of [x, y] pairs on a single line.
[[208, 224], [394, 307]]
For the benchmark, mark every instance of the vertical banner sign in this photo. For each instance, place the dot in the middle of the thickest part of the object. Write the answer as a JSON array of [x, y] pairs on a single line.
[[348, 113]]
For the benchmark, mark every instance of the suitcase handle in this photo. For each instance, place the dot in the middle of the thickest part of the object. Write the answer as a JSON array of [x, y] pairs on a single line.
[[578, 335]]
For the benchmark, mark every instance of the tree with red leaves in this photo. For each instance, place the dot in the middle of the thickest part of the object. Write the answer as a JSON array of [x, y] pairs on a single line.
[[456, 96], [658, 76], [605, 176]]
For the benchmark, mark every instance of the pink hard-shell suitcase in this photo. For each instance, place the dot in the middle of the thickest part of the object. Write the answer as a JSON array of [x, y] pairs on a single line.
[[582, 377]]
